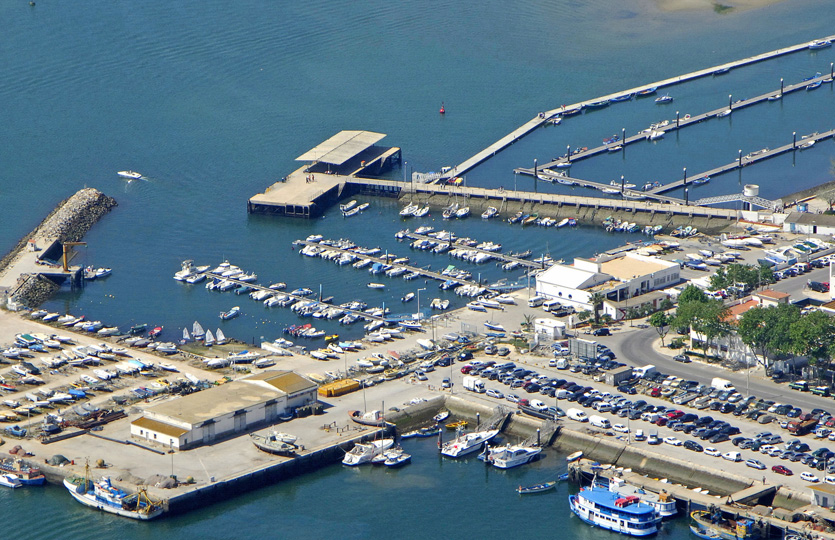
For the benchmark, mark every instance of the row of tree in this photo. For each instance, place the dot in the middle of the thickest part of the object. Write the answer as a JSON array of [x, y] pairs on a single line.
[[778, 331]]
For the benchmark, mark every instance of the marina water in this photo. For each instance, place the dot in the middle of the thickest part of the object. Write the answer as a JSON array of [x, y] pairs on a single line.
[[213, 101]]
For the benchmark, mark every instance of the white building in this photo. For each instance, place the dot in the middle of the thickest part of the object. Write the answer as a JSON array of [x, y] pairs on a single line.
[[549, 328], [616, 277], [806, 223], [205, 416]]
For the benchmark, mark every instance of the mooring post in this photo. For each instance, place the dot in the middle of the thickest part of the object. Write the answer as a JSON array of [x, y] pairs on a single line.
[[740, 157], [676, 119], [477, 420], [730, 102], [568, 153], [794, 140], [685, 176]]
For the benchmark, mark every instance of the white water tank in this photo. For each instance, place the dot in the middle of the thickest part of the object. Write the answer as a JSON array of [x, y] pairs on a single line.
[[751, 190]]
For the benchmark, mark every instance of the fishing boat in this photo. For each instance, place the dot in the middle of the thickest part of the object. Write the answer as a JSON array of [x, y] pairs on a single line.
[[574, 457], [155, 332], [516, 218], [137, 329], [421, 433], [701, 181], [10, 481], [102, 495], [397, 459], [231, 314], [276, 443], [536, 488], [372, 418], [364, 452], [527, 220], [710, 525], [28, 476], [511, 455], [465, 444], [441, 416], [648, 91], [666, 98], [597, 104], [813, 85], [490, 212], [132, 175], [624, 97], [607, 510]]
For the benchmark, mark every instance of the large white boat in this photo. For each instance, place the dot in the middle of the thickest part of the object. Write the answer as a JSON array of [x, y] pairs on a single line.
[[133, 175], [365, 452], [663, 503], [102, 495], [468, 443], [512, 455], [608, 510]]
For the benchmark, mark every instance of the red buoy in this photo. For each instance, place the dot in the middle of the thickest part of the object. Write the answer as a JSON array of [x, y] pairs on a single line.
[[443, 110]]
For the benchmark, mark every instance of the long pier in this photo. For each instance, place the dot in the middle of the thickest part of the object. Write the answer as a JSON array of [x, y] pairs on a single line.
[[421, 271], [526, 197], [542, 118], [499, 256], [294, 296]]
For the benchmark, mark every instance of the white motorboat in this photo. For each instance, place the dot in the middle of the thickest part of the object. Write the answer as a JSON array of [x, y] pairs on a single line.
[[505, 299], [510, 455], [461, 213], [422, 212], [409, 210], [376, 286], [426, 344], [465, 444], [132, 175], [490, 212], [347, 207], [364, 452], [10, 481]]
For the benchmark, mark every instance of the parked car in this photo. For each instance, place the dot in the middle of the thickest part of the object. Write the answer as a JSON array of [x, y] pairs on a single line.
[[710, 451], [693, 445], [755, 464], [809, 477], [782, 469], [602, 332], [494, 394], [681, 358]]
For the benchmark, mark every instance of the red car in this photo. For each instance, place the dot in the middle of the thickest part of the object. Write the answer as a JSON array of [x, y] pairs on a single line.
[[661, 421], [655, 392], [675, 415], [466, 369], [780, 469]]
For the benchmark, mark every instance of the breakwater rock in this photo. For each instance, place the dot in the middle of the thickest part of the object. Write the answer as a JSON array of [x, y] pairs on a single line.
[[76, 215], [32, 289]]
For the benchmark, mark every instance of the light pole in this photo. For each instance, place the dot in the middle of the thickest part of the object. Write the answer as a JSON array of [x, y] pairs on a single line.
[[420, 316]]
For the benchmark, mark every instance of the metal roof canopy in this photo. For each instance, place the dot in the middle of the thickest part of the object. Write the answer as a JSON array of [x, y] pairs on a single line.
[[341, 147]]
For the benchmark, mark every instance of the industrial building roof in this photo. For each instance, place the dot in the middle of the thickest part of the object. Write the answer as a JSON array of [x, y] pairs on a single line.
[[631, 266], [341, 147], [805, 218], [568, 276], [159, 427], [228, 398]]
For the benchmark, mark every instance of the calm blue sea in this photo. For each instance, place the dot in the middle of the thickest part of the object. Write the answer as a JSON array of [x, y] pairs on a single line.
[[212, 101]]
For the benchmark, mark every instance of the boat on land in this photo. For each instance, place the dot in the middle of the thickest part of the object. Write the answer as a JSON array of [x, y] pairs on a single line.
[[103, 495], [710, 525], [495, 327], [132, 175], [280, 444], [626, 515], [371, 418], [465, 444]]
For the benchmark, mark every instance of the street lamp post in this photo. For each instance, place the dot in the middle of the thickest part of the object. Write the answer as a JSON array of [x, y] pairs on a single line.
[[420, 316]]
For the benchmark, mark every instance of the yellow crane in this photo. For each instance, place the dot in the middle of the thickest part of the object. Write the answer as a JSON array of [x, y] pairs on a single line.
[[67, 253]]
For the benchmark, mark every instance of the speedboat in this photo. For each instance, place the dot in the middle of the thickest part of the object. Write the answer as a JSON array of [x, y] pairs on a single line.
[[364, 452], [10, 481], [461, 213], [409, 210], [408, 298], [465, 444], [133, 175], [490, 212], [231, 314], [666, 98], [422, 212], [820, 44], [511, 455], [376, 286]]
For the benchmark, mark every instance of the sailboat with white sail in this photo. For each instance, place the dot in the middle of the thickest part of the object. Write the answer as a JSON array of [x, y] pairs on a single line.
[[220, 338], [209, 340], [197, 331], [186, 336]]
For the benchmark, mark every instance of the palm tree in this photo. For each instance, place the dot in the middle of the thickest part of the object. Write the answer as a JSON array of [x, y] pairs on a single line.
[[596, 301]]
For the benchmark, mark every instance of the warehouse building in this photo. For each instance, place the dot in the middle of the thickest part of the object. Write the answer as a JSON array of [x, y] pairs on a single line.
[[217, 412]]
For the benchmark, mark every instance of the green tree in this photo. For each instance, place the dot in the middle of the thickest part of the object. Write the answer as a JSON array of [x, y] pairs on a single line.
[[596, 300], [711, 321], [812, 336], [661, 322], [766, 330], [690, 294]]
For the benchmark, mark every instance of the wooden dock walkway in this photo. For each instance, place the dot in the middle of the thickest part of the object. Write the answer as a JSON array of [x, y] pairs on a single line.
[[501, 197], [498, 256], [368, 316], [421, 271], [542, 118]]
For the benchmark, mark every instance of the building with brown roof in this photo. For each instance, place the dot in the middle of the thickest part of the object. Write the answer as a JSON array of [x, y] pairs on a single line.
[[202, 417]]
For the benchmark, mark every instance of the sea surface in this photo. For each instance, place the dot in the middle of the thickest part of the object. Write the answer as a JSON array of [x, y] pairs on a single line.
[[212, 101]]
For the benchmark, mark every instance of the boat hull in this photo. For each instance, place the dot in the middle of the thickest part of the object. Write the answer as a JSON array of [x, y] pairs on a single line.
[[92, 502]]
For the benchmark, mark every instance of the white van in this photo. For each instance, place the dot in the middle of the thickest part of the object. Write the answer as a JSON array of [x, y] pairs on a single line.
[[550, 304], [602, 406], [536, 301], [577, 415], [562, 393], [599, 421], [649, 417], [732, 456], [538, 405]]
